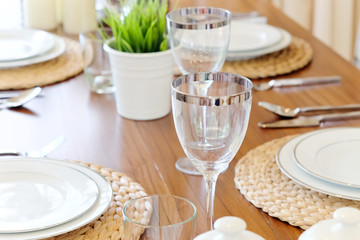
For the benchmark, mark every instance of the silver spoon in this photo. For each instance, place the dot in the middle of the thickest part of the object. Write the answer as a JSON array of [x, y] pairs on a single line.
[[295, 82], [293, 112], [21, 99]]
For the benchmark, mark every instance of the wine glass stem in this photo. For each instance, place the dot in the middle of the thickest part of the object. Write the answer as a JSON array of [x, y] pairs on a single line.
[[210, 194], [204, 124]]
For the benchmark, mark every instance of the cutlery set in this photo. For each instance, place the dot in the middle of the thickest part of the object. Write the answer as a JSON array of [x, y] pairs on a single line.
[[353, 110], [11, 100]]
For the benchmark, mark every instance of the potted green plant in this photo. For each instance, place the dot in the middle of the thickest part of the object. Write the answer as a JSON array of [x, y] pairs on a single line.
[[141, 63]]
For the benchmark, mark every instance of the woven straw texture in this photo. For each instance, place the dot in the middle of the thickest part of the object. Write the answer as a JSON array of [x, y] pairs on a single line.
[[109, 226], [260, 180], [67, 65], [296, 56]]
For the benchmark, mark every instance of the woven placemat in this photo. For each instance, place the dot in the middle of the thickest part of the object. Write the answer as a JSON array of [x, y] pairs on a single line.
[[260, 180], [110, 224], [67, 65], [296, 56]]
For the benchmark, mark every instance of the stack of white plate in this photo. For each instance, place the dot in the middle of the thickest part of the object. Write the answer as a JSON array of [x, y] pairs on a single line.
[[41, 198], [24, 47], [326, 161], [250, 40]]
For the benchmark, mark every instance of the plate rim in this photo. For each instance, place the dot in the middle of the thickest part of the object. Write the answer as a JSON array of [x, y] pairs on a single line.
[[345, 192], [48, 172], [58, 49], [316, 173], [267, 29], [94, 213]]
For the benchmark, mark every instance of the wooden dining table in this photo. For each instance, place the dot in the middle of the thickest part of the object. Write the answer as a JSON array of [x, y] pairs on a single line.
[[146, 151]]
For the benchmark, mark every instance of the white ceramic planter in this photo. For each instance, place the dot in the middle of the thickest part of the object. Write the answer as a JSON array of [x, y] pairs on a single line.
[[142, 82]]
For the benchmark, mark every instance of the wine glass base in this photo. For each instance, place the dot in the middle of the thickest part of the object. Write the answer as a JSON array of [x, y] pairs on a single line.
[[186, 166]]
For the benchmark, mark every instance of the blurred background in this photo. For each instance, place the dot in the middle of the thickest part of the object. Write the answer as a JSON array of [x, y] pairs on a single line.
[[335, 22]]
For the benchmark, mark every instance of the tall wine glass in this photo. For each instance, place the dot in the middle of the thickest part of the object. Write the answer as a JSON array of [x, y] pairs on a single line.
[[199, 38], [211, 128]]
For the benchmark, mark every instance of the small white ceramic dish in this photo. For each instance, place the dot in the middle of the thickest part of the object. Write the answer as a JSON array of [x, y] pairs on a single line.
[[247, 36], [104, 199], [284, 42], [344, 226], [287, 164], [37, 195], [332, 155], [24, 43], [229, 228], [58, 49]]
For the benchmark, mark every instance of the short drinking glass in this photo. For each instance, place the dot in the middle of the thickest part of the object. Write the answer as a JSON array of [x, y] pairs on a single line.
[[97, 66], [159, 217]]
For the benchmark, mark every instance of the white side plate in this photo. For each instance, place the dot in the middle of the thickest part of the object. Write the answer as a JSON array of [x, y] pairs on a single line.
[[284, 42], [24, 43], [332, 155], [37, 195], [287, 164], [57, 50], [246, 36]]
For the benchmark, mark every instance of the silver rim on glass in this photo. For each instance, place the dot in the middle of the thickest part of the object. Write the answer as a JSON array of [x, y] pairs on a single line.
[[182, 19], [212, 101]]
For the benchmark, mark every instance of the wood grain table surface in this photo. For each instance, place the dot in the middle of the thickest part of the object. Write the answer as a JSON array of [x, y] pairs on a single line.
[[147, 150]]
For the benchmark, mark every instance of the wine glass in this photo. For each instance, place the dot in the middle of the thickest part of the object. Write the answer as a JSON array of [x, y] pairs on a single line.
[[199, 38], [211, 127]]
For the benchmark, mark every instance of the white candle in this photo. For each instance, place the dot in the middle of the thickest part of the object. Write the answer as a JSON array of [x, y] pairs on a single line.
[[40, 14], [59, 12], [79, 16]]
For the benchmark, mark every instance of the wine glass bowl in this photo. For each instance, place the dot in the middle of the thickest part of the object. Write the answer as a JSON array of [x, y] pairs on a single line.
[[211, 126], [199, 38]]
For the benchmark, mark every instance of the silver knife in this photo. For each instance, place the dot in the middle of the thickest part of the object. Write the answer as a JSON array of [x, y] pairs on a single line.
[[295, 82], [309, 121], [42, 152]]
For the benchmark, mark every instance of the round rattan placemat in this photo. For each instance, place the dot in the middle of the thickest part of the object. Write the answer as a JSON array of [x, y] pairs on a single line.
[[67, 65], [296, 56], [109, 226], [260, 180]]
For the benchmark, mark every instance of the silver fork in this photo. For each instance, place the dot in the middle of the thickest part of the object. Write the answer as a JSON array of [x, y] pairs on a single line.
[[293, 112], [295, 82]]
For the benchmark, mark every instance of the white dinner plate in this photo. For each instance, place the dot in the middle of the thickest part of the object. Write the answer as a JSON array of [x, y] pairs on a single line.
[[243, 55], [37, 195], [247, 36], [58, 49], [24, 43], [104, 199], [332, 155], [287, 164]]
